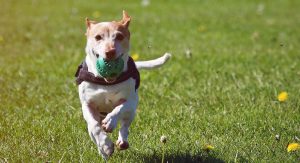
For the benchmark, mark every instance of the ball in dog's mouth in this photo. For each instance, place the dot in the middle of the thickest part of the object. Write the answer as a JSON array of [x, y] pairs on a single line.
[[109, 69]]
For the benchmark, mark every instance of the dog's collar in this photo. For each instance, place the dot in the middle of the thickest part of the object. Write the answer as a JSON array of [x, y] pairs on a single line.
[[82, 74]]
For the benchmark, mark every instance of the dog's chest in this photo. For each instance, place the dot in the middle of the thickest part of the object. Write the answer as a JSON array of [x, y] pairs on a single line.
[[105, 98]]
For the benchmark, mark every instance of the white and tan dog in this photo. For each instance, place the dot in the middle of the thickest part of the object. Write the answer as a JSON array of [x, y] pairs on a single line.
[[103, 106]]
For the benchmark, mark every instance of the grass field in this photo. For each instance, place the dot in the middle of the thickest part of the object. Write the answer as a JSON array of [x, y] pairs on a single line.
[[244, 53]]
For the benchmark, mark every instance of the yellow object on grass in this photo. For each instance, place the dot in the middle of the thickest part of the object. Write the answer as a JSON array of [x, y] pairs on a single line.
[[293, 147], [208, 147], [96, 14], [135, 56], [283, 96]]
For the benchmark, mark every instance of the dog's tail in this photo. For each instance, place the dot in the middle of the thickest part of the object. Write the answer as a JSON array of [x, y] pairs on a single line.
[[153, 63]]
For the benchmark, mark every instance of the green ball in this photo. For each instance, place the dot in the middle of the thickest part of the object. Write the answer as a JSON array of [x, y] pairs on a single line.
[[111, 68]]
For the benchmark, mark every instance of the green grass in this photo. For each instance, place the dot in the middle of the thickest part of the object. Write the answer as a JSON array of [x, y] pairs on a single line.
[[243, 54]]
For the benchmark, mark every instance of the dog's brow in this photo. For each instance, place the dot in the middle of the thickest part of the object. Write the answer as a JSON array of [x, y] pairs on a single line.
[[102, 30], [117, 31]]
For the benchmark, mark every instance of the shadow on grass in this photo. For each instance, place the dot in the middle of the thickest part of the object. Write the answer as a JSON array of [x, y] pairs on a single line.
[[182, 158]]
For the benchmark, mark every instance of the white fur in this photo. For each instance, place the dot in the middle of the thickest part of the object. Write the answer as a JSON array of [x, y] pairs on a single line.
[[98, 98], [119, 101], [153, 63]]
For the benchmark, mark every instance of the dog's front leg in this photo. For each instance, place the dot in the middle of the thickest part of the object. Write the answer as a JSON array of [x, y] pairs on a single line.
[[124, 112], [125, 121], [92, 117]]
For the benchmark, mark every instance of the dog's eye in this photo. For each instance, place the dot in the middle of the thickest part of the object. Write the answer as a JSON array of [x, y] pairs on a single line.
[[98, 37], [119, 37]]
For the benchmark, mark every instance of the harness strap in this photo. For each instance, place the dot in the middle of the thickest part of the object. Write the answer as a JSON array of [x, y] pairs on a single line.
[[82, 74]]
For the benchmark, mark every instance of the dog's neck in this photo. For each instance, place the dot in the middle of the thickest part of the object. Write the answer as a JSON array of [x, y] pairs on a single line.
[[92, 64]]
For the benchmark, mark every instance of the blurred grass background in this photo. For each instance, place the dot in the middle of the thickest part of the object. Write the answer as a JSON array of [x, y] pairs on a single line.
[[244, 53]]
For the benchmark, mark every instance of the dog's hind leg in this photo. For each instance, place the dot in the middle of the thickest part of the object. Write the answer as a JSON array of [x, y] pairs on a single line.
[[100, 138]]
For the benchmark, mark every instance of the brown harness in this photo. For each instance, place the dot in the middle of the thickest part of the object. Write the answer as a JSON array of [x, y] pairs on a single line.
[[82, 74]]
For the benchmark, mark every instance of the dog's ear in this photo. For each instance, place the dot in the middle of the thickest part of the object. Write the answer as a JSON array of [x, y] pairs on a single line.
[[126, 19], [89, 23]]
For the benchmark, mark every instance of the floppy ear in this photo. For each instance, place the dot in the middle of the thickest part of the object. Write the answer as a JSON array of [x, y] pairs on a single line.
[[126, 19], [89, 23]]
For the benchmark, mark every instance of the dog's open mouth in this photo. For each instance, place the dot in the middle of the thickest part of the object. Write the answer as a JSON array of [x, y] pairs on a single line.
[[110, 69], [110, 79]]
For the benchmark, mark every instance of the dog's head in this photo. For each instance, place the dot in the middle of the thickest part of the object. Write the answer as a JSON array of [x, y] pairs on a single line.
[[108, 40]]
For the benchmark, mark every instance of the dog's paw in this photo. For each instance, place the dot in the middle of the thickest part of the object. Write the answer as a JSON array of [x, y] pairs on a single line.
[[122, 145], [109, 123], [106, 150]]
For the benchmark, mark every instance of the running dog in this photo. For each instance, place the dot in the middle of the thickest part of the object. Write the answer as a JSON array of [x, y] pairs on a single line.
[[107, 101]]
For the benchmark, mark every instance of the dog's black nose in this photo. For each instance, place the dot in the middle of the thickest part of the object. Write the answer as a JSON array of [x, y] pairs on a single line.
[[110, 54]]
